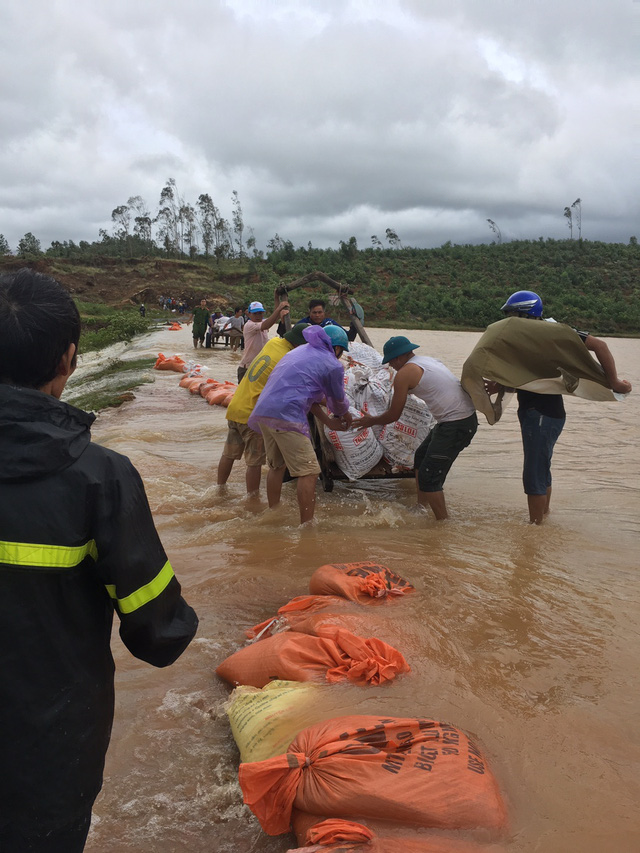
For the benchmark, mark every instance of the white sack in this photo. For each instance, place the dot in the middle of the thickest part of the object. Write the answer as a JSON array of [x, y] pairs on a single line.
[[401, 439], [360, 353], [356, 452]]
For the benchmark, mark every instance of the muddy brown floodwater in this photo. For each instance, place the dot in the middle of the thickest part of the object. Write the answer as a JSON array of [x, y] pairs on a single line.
[[526, 637]]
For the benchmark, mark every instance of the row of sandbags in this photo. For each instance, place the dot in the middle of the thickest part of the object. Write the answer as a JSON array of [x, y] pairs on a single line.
[[349, 781], [214, 392]]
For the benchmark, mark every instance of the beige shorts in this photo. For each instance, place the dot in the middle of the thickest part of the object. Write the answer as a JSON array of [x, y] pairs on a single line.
[[243, 440], [291, 449]]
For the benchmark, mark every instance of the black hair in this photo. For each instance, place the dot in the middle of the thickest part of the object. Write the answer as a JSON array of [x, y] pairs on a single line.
[[39, 321], [313, 303]]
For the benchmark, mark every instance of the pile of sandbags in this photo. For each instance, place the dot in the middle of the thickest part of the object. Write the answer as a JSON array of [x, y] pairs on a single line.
[[214, 392], [368, 387], [322, 650], [174, 363], [350, 781]]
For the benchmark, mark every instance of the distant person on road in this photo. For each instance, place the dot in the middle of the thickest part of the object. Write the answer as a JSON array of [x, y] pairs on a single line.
[[524, 354], [77, 543], [200, 319], [241, 439], [234, 327], [298, 384], [143, 310], [448, 402], [256, 332]]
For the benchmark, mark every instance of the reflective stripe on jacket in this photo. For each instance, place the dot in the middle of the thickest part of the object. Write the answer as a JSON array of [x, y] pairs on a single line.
[[77, 541]]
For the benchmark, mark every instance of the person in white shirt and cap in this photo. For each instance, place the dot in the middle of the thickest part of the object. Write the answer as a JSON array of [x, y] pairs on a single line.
[[256, 332]]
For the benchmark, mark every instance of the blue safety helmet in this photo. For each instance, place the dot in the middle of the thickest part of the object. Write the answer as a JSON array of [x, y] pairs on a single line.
[[524, 303], [338, 337]]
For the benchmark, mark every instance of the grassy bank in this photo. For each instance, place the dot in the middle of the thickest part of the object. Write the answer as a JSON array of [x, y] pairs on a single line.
[[113, 383], [109, 386], [103, 325]]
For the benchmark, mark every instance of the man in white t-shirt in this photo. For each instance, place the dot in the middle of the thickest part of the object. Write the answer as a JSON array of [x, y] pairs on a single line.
[[448, 402], [255, 332]]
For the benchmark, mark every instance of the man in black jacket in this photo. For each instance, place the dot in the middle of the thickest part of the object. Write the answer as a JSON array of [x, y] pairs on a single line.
[[77, 541]]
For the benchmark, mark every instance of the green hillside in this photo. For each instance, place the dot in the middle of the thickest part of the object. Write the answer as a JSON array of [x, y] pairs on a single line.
[[591, 285]]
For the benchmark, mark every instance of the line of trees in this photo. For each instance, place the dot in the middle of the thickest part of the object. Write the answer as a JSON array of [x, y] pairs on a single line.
[[177, 229]]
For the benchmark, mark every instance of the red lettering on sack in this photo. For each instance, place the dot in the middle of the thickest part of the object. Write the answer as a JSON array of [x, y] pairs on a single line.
[[333, 438], [408, 430]]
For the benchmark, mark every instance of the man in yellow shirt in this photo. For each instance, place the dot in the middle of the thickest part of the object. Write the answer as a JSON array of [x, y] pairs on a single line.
[[241, 440]]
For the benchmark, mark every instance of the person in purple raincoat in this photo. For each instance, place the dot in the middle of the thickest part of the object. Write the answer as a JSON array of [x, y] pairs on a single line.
[[298, 384]]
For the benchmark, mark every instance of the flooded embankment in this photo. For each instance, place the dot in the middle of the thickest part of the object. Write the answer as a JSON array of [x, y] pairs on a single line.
[[525, 637]]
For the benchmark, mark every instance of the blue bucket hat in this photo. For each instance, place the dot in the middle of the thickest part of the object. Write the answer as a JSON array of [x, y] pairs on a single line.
[[398, 345]]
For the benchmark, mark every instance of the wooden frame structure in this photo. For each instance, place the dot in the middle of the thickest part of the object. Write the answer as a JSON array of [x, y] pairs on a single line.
[[343, 291]]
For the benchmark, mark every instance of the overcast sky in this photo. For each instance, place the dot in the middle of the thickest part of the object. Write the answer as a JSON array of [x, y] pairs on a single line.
[[330, 118]]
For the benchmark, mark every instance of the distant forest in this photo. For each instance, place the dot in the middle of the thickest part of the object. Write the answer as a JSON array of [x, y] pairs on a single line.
[[591, 285]]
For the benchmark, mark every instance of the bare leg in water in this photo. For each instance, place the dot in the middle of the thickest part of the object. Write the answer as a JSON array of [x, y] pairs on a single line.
[[307, 496], [538, 507], [436, 501]]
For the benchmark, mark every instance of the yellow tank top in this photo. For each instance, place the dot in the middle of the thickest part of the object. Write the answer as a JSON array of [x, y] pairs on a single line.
[[254, 380]]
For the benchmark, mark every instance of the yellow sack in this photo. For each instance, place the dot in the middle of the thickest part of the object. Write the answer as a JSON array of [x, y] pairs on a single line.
[[265, 721]]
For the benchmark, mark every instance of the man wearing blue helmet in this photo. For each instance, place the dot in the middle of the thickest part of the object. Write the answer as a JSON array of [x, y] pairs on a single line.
[[542, 416]]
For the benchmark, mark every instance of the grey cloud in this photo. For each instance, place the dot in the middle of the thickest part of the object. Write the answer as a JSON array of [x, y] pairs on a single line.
[[329, 119]]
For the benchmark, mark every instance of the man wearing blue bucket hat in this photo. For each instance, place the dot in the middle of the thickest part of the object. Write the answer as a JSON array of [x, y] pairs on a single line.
[[448, 402]]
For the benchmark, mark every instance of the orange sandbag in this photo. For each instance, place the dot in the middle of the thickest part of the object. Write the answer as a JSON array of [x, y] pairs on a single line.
[[175, 327], [335, 834], [173, 363], [189, 382], [207, 386], [336, 656], [365, 582], [228, 398], [410, 770], [319, 624], [297, 610], [194, 387], [219, 394], [186, 380]]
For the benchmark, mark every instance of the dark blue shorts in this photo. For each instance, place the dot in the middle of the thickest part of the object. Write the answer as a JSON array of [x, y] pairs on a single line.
[[539, 435], [440, 449]]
